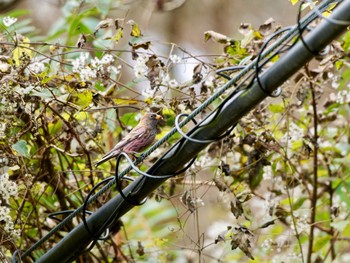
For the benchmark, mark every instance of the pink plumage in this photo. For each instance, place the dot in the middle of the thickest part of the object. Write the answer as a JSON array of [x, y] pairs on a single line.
[[137, 140]]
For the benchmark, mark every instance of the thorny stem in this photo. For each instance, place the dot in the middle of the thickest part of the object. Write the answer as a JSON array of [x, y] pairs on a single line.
[[315, 174], [297, 234], [197, 228], [331, 193]]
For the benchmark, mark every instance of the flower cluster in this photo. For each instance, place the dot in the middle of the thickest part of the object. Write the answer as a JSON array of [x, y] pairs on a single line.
[[7, 189], [97, 66], [36, 67], [140, 69], [160, 77], [343, 96], [302, 224], [295, 133], [8, 21], [175, 59]]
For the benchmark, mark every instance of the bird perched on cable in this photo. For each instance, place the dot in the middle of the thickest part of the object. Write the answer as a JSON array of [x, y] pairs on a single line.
[[137, 140]]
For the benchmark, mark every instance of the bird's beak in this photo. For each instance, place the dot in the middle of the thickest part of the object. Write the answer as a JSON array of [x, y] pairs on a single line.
[[158, 117]]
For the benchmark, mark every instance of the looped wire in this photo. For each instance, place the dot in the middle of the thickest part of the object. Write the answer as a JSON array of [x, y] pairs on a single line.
[[258, 67], [196, 140], [159, 177], [301, 30], [317, 11], [329, 19], [85, 211], [16, 257]]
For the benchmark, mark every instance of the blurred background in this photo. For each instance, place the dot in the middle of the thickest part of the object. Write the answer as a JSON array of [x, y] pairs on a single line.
[[180, 21]]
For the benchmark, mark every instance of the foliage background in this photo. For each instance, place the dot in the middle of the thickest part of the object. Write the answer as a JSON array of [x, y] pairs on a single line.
[[277, 188]]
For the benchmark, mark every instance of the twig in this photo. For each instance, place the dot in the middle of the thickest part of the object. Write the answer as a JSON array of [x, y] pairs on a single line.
[[315, 165]]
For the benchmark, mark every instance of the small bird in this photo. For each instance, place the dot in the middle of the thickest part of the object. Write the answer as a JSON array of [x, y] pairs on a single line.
[[137, 140]]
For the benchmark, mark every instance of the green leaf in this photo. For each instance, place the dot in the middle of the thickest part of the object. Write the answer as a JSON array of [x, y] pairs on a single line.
[[321, 242], [129, 119], [110, 120], [21, 148], [276, 108], [84, 98], [299, 203], [55, 126], [44, 94]]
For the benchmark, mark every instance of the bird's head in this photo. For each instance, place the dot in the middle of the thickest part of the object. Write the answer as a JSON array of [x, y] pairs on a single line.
[[150, 119]]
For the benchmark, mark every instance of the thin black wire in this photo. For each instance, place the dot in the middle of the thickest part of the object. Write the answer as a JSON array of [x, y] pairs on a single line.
[[232, 68], [301, 31], [84, 211], [197, 140], [329, 19], [158, 177], [317, 11], [64, 212], [258, 67], [118, 178]]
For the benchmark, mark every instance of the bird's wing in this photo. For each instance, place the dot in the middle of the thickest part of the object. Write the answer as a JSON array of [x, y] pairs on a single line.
[[134, 134]]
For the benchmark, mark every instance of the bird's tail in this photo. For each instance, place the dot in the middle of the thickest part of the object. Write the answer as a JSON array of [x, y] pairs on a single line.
[[106, 157]]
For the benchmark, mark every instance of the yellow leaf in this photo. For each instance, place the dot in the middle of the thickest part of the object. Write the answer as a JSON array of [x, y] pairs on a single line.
[[168, 111], [118, 35], [258, 35], [135, 30], [296, 145], [326, 13], [81, 116], [294, 2], [22, 50], [84, 98], [125, 101]]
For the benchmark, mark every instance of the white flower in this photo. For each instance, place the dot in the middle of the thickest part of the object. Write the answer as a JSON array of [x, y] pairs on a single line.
[[343, 96], [87, 74], [295, 133], [7, 188], [173, 83], [4, 67], [28, 89], [175, 59], [267, 172], [148, 92], [107, 59], [80, 62], [209, 82], [36, 67], [8, 21], [114, 69], [140, 68]]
